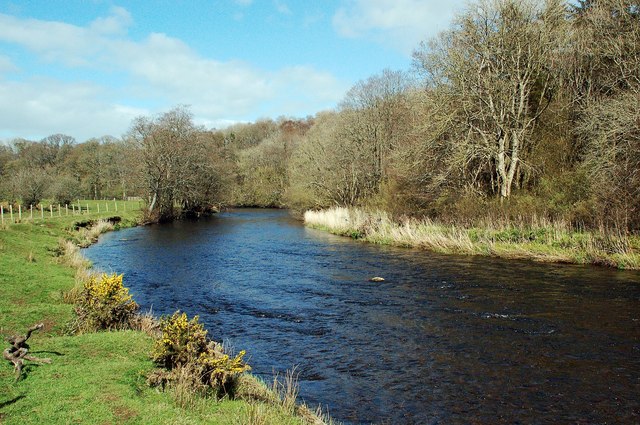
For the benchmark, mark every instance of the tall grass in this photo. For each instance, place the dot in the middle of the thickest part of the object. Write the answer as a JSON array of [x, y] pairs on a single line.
[[281, 393], [89, 235], [533, 238]]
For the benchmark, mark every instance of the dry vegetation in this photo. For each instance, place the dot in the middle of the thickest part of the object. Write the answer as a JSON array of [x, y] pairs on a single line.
[[539, 240]]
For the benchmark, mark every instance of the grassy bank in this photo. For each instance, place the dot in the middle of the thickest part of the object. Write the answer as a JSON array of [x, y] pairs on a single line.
[[539, 241], [95, 377]]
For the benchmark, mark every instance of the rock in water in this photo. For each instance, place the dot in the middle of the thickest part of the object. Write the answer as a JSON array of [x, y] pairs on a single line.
[[376, 279]]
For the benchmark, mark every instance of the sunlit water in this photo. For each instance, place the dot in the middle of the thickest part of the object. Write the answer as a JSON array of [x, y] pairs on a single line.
[[444, 339]]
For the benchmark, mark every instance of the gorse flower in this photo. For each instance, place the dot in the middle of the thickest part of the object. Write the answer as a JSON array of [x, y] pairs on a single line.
[[184, 345], [108, 290], [104, 303], [182, 340]]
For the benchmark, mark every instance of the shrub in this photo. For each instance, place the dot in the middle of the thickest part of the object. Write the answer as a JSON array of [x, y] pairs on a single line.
[[104, 303], [184, 346]]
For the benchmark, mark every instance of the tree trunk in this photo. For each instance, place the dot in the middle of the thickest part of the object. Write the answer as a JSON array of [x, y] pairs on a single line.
[[18, 352]]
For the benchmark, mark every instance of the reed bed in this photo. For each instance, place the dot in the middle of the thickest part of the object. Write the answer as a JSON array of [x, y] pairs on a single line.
[[533, 238]]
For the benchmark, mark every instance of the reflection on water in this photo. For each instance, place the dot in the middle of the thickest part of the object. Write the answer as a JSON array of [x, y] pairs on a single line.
[[443, 339]]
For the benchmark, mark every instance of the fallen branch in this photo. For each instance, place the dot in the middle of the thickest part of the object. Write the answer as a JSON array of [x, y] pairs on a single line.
[[19, 350]]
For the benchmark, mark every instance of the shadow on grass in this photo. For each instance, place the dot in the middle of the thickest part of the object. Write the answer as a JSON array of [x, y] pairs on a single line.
[[55, 353], [10, 402]]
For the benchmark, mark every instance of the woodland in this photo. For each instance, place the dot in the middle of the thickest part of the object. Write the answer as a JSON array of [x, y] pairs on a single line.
[[521, 110]]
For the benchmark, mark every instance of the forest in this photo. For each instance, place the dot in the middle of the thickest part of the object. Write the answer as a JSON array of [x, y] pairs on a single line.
[[521, 110]]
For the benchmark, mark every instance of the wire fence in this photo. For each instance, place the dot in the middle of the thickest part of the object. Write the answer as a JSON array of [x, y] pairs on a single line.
[[21, 214]]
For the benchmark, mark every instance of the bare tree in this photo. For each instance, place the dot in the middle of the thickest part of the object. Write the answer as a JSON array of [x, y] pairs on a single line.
[[603, 54], [325, 169], [494, 67], [612, 159], [374, 112], [31, 184], [175, 162]]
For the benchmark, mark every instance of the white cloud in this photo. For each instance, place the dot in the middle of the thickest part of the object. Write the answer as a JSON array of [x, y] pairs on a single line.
[[158, 70], [38, 107], [401, 23], [117, 23]]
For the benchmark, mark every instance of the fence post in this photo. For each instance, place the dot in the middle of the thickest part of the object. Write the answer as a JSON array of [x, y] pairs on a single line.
[[42, 211], [98, 205], [11, 212], [31, 211], [115, 203], [2, 213], [20, 212], [107, 204], [87, 208], [59, 211], [51, 210]]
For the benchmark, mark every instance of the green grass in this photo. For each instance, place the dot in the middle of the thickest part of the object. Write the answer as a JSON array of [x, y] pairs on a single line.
[[99, 378], [79, 211], [539, 241], [96, 378]]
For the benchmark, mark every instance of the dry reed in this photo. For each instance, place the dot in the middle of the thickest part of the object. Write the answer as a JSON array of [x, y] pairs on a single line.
[[532, 238]]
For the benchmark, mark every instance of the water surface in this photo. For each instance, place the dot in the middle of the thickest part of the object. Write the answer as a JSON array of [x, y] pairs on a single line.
[[444, 339]]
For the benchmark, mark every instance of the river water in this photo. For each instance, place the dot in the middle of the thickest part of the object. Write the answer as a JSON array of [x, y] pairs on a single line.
[[443, 340]]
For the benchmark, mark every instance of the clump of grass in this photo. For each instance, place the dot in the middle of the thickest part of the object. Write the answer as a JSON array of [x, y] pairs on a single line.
[[256, 415], [69, 254], [282, 393], [146, 322], [187, 388], [89, 235], [287, 389]]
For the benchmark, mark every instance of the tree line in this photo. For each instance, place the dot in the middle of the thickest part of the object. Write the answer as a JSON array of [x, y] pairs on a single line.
[[520, 109]]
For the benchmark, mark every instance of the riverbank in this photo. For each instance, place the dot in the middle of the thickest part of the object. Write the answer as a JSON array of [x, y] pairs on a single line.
[[95, 377], [544, 241]]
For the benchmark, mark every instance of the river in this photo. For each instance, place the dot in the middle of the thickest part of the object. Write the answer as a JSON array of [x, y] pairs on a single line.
[[443, 340]]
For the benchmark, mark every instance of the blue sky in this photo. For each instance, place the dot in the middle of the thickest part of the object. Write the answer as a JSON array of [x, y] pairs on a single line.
[[87, 68]]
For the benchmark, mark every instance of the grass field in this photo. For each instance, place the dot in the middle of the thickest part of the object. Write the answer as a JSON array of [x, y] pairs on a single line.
[[96, 378]]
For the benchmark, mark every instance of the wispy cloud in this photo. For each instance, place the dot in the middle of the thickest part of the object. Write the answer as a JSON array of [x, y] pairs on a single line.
[[41, 106], [7, 65], [158, 70], [282, 7], [399, 23]]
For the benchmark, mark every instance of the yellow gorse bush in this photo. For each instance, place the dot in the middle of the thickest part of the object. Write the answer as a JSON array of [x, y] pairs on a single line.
[[219, 367], [108, 290], [104, 303], [184, 342]]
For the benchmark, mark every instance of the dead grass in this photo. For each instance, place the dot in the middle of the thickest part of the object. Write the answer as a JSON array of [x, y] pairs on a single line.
[[283, 393], [147, 323], [89, 235], [287, 390], [187, 388], [532, 238]]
